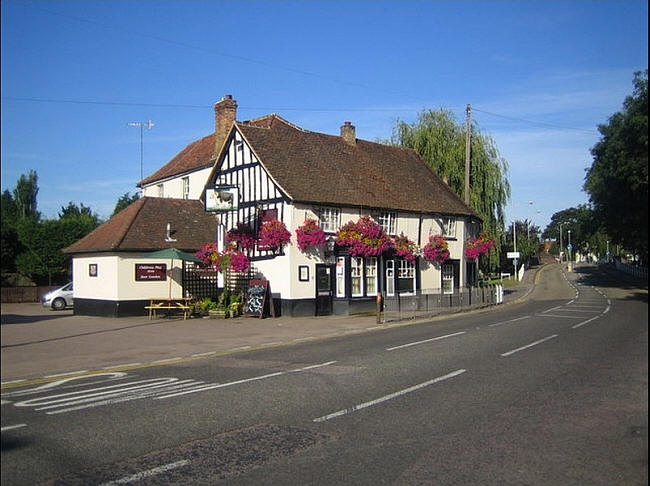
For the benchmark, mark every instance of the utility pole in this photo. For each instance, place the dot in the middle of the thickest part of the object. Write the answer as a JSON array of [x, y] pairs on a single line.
[[148, 125], [468, 144]]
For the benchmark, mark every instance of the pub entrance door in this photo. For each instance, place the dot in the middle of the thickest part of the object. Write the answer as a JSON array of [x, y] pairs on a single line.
[[324, 289]]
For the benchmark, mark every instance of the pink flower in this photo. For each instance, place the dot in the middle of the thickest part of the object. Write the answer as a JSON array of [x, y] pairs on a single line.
[[436, 250], [364, 238], [273, 235], [309, 234], [475, 247], [405, 248]]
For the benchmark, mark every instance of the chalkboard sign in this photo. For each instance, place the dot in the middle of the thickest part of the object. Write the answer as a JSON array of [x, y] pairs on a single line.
[[256, 297]]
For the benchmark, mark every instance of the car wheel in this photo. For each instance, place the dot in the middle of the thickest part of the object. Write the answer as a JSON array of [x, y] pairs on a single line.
[[58, 304]]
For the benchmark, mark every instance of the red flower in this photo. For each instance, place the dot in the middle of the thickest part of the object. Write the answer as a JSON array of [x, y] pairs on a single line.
[[475, 247]]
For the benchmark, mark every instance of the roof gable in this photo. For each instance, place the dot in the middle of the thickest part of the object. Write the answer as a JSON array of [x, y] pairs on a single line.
[[197, 155], [142, 226]]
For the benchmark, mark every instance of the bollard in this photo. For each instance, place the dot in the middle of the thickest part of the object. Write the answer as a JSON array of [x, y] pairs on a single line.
[[378, 307]]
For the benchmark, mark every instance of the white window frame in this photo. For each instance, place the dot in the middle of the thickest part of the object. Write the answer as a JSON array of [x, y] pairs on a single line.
[[356, 273], [329, 219], [388, 221], [449, 225], [406, 270], [447, 276], [390, 278], [340, 276], [186, 187], [371, 275], [161, 190]]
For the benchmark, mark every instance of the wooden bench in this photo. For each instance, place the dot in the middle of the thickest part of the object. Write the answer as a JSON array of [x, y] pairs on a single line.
[[169, 307]]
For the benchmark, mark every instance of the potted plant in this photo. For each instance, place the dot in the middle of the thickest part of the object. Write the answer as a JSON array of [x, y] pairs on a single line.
[[364, 238], [475, 247], [310, 235], [273, 236], [405, 248], [436, 250]]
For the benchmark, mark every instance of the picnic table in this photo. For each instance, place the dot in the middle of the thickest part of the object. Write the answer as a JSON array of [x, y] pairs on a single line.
[[168, 305]]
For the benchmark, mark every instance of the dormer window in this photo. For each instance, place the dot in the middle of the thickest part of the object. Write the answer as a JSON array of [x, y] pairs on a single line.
[[449, 227], [186, 187], [329, 219], [387, 220]]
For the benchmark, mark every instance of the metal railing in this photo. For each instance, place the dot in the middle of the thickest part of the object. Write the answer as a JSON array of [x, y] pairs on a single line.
[[635, 271], [432, 302]]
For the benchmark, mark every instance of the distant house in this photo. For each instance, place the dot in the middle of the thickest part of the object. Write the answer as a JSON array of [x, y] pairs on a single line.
[[281, 171]]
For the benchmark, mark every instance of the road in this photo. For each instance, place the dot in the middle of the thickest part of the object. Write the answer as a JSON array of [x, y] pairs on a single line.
[[550, 391]]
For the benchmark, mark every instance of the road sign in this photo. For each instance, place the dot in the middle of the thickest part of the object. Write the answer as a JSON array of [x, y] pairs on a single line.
[[513, 255]]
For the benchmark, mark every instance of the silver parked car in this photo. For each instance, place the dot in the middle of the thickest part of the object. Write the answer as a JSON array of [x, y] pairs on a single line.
[[59, 299]]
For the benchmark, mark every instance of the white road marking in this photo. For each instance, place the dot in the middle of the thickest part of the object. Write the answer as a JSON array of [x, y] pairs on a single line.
[[66, 374], [246, 380], [388, 397], [120, 366], [425, 341], [148, 473], [508, 322], [11, 382], [558, 316], [12, 427], [508, 353]]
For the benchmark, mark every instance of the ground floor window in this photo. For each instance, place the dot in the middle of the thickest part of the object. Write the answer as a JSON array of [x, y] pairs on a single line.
[[406, 276], [356, 276], [447, 278], [340, 277], [371, 276]]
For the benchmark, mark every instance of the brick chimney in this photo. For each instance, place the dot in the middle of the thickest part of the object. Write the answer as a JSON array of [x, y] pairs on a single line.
[[225, 114], [348, 133]]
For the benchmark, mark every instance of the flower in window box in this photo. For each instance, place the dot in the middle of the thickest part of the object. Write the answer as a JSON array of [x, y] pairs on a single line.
[[475, 247], [309, 235], [364, 238], [243, 236], [273, 235], [405, 248], [436, 250]]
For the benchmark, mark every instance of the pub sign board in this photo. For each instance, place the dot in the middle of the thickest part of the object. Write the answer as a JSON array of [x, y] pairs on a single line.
[[221, 199], [150, 272]]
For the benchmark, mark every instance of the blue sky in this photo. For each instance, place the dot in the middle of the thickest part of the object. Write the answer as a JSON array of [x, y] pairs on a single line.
[[540, 76]]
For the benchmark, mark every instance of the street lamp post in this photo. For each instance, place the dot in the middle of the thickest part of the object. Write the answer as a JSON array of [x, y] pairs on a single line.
[[148, 125]]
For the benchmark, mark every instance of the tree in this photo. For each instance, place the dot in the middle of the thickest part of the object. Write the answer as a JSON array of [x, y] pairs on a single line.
[[25, 195], [617, 181], [124, 201], [9, 245], [587, 233], [440, 141]]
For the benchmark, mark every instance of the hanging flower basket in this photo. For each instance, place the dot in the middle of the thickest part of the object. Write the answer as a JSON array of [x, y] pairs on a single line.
[[231, 258], [364, 238], [273, 235], [310, 235], [405, 248], [243, 236], [475, 247], [436, 250]]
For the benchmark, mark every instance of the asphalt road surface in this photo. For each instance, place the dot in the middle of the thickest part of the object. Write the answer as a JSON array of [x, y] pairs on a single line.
[[553, 391]]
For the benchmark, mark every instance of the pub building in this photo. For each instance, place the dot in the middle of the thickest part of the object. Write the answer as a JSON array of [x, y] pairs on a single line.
[[265, 169]]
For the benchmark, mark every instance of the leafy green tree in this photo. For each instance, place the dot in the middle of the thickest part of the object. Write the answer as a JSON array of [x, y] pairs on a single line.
[[125, 201], [617, 182], [440, 141], [25, 195], [9, 245], [587, 233]]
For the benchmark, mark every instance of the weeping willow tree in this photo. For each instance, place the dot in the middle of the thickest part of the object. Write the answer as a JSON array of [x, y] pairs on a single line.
[[440, 140]]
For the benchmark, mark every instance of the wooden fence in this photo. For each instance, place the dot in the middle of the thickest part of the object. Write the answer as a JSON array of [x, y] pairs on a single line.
[[13, 295]]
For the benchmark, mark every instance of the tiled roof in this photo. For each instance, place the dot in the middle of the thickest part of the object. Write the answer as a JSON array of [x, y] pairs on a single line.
[[318, 168], [143, 227], [196, 155]]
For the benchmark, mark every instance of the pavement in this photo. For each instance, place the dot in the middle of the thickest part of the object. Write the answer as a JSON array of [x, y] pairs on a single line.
[[40, 346]]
